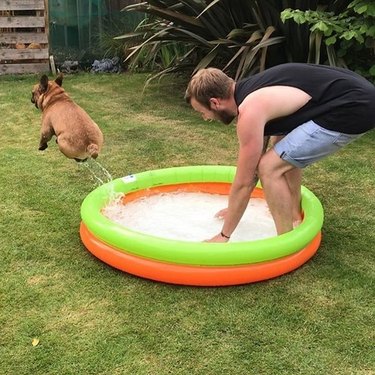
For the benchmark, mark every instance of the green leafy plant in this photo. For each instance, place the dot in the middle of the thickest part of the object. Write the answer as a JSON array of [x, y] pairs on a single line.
[[348, 36]]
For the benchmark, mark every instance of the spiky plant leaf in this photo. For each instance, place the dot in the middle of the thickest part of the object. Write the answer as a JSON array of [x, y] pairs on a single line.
[[240, 36]]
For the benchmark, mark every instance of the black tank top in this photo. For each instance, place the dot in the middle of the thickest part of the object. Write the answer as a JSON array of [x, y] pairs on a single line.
[[341, 100]]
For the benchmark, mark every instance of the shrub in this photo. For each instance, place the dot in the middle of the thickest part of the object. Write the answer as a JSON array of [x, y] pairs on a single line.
[[348, 37]]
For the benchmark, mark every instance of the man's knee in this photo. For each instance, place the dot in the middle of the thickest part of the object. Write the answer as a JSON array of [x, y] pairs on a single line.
[[271, 166], [265, 167]]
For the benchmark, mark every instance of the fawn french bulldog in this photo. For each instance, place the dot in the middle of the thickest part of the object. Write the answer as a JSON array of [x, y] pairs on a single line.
[[77, 135]]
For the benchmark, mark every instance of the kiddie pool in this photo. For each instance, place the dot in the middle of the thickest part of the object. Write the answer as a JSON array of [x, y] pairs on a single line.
[[194, 263]]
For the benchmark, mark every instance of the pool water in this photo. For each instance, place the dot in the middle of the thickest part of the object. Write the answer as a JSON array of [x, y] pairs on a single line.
[[190, 216]]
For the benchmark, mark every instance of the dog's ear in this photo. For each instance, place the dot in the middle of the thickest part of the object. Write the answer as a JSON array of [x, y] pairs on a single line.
[[59, 79], [43, 83]]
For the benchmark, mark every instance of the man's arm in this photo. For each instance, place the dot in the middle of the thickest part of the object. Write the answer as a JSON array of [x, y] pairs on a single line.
[[266, 140], [250, 129]]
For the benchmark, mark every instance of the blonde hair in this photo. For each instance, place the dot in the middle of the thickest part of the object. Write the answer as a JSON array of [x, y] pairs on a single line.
[[209, 83]]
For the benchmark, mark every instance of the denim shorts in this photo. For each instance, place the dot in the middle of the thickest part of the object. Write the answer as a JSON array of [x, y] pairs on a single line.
[[309, 143]]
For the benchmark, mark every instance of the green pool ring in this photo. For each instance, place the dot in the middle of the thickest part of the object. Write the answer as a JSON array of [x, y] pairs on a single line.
[[193, 253]]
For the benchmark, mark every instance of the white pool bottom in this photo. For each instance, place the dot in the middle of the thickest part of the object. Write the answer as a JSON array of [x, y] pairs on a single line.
[[190, 217]]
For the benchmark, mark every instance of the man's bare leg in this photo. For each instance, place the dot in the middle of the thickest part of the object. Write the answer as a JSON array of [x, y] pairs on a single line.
[[294, 178], [277, 189]]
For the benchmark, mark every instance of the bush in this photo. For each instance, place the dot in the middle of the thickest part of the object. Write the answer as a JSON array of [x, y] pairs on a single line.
[[348, 37]]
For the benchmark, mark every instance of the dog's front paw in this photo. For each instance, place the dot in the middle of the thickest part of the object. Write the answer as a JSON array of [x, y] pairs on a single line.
[[42, 146]]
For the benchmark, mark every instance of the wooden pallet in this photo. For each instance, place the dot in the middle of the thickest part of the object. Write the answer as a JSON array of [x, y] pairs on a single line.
[[24, 36]]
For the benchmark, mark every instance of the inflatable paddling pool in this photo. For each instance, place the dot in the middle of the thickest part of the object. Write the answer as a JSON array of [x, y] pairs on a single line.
[[193, 263]]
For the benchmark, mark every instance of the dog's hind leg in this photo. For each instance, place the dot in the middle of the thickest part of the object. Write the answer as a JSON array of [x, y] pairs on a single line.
[[70, 150]]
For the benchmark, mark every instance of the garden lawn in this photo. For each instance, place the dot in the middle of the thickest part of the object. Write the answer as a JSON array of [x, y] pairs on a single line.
[[63, 312]]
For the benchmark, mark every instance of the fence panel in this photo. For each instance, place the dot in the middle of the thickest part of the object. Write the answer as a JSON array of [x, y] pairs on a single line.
[[24, 36]]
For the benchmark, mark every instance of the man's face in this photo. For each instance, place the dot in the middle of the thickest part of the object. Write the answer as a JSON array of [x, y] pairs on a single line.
[[218, 114]]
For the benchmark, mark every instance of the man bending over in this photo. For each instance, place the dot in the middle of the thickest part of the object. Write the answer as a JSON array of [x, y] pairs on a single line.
[[314, 110]]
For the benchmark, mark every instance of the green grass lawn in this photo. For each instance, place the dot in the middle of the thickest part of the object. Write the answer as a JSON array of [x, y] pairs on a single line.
[[92, 319]]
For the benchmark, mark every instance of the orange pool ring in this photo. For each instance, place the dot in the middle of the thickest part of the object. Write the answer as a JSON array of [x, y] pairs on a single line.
[[196, 276]]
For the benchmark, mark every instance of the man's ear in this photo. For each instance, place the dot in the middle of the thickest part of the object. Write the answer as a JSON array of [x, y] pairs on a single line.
[[43, 83], [59, 79], [214, 103]]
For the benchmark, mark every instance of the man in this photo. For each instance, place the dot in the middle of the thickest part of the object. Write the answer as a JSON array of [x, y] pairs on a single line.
[[314, 110]]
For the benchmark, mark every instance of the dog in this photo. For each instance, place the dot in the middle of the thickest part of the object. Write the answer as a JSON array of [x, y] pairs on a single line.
[[77, 135]]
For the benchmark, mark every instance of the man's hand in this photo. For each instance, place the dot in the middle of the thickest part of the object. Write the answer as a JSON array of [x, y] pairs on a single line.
[[218, 238]]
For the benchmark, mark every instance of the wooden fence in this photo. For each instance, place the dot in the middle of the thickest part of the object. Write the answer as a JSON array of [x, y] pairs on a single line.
[[24, 36]]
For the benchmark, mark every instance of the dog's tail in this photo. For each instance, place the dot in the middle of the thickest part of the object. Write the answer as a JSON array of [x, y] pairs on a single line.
[[93, 150]]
